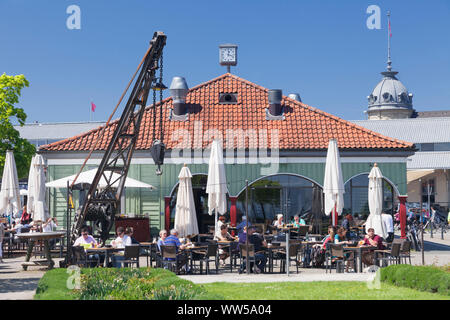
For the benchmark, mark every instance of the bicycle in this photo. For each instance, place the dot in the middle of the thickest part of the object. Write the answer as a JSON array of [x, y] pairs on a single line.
[[414, 235]]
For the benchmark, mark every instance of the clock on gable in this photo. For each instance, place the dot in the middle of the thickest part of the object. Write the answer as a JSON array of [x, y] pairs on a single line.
[[228, 55]]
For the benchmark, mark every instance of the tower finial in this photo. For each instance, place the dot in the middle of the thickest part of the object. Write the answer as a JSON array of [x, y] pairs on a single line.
[[389, 62]]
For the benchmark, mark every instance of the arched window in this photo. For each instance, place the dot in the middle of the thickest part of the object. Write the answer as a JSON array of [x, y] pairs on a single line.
[[287, 194], [356, 196]]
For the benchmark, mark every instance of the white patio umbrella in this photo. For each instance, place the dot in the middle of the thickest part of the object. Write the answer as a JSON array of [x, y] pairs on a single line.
[[9, 193], [216, 186], [333, 186], [375, 220], [185, 214], [36, 190], [88, 177]]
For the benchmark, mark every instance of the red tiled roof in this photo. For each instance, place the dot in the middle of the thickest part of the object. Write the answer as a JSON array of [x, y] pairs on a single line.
[[304, 127]]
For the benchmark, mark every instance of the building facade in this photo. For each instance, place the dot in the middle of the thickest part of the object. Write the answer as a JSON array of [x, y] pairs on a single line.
[[276, 143]]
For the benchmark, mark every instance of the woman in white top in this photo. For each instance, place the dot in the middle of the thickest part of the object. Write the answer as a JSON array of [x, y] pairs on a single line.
[[122, 239], [279, 222]]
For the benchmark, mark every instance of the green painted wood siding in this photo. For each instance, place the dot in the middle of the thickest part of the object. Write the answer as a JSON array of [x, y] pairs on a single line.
[[151, 203]]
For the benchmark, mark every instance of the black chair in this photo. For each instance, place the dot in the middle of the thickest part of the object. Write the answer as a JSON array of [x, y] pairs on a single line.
[[405, 251], [131, 255], [243, 255], [335, 255], [169, 257], [389, 256], [81, 259], [294, 251], [303, 230], [210, 255]]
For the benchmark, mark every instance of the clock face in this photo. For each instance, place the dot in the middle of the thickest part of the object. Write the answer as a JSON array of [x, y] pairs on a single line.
[[228, 54]]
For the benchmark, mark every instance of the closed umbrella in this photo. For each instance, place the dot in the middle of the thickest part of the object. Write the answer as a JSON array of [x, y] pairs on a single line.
[[333, 186], [216, 186], [375, 220], [88, 177], [185, 214], [10, 194], [36, 190]]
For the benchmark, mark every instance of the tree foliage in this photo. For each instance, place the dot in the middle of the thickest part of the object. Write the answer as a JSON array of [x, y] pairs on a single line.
[[10, 90]]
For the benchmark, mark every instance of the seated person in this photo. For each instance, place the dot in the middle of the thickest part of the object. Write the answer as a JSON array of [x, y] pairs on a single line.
[[259, 244], [330, 237], [87, 241], [298, 221], [220, 223], [2, 234], [341, 238], [371, 239], [18, 227], [162, 238], [120, 242], [223, 236], [240, 227], [50, 225], [279, 222], [173, 240], [26, 217], [129, 231]]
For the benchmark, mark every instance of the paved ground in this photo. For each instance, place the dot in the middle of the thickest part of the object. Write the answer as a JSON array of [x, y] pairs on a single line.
[[16, 284]]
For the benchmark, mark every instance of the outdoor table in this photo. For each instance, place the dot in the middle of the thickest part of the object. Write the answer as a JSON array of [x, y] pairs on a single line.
[[359, 251], [230, 248], [32, 237], [189, 250], [104, 250]]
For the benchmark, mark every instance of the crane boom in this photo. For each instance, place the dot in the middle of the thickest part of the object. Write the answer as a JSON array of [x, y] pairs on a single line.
[[102, 205]]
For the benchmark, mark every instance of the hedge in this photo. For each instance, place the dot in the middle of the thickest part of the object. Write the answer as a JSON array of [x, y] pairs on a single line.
[[137, 284], [423, 278]]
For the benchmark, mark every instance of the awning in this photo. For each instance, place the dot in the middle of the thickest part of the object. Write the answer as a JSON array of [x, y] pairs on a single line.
[[413, 175]]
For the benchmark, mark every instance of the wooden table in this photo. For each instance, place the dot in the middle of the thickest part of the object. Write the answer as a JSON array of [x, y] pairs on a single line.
[[106, 251], [32, 237], [359, 251]]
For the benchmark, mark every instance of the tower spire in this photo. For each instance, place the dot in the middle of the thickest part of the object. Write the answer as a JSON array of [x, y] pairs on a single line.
[[389, 62]]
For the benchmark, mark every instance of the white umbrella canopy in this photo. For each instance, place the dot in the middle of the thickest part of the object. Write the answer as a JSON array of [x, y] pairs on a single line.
[[216, 186], [88, 177], [185, 214], [9, 193], [36, 190], [333, 186], [375, 195]]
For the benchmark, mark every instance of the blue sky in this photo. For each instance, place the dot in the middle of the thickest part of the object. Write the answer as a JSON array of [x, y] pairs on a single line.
[[320, 49]]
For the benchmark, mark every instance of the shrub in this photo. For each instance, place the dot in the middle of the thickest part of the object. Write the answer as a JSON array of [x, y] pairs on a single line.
[[423, 278], [136, 284]]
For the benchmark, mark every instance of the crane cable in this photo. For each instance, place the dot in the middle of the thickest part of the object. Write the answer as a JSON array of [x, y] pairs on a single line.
[[100, 136]]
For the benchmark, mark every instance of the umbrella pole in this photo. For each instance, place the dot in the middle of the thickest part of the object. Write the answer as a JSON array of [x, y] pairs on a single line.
[[246, 232]]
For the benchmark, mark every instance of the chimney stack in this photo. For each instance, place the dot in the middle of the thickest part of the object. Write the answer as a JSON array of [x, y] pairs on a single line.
[[275, 96], [179, 90]]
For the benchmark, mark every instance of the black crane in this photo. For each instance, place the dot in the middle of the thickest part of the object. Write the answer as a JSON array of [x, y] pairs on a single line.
[[101, 205]]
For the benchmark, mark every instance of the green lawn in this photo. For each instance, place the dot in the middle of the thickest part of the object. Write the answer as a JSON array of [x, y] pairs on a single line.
[[53, 287], [320, 290]]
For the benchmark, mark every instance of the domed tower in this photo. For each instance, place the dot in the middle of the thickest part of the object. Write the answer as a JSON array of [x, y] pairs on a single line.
[[390, 99]]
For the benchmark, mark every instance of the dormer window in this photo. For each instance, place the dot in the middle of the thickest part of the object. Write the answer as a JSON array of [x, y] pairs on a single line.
[[228, 98]]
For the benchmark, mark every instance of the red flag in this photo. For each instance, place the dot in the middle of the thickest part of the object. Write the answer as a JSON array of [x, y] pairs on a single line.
[[93, 106], [390, 32]]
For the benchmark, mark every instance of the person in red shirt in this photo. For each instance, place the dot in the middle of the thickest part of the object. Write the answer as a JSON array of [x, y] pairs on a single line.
[[26, 217], [371, 239]]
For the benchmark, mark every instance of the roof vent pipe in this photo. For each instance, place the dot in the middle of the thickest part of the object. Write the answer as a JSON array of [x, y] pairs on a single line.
[[179, 90], [295, 96], [275, 96]]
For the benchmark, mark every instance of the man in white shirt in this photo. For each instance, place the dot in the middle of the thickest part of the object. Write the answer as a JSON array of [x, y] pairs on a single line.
[[86, 240], [120, 242], [50, 225], [389, 225]]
